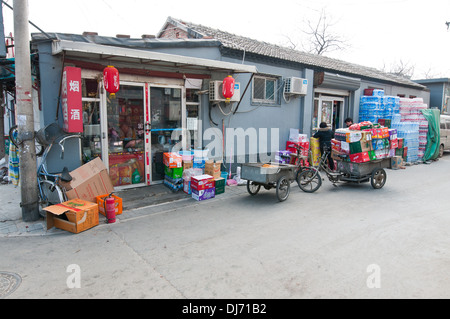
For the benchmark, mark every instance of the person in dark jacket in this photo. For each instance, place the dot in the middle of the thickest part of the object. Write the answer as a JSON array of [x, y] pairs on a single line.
[[325, 135]]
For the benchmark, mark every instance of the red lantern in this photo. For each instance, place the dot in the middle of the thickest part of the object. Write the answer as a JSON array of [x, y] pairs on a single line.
[[111, 80], [228, 87]]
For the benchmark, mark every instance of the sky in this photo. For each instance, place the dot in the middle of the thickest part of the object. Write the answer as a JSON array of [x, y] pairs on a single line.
[[380, 34]]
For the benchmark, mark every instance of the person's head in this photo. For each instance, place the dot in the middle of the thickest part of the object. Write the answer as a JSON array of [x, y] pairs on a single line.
[[348, 121], [323, 125]]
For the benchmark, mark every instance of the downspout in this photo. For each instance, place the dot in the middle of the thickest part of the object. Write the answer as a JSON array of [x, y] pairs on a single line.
[[60, 86]]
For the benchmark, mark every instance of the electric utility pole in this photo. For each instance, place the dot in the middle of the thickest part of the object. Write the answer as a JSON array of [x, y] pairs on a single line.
[[25, 116]]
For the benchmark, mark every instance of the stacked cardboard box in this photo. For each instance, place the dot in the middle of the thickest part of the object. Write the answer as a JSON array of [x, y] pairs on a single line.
[[220, 185], [203, 187], [173, 170], [368, 144], [296, 141], [213, 168]]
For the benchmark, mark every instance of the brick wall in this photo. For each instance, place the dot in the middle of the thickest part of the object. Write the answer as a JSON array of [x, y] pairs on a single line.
[[172, 32]]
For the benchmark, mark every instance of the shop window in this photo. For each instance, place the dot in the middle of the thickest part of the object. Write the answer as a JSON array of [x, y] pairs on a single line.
[[193, 118], [265, 90]]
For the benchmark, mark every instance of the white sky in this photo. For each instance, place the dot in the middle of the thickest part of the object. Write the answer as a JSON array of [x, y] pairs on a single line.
[[379, 33]]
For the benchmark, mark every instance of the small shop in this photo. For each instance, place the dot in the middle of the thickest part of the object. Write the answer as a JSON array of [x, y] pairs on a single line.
[[156, 110]]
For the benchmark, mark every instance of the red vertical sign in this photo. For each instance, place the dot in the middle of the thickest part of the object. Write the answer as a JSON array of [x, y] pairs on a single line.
[[71, 100]]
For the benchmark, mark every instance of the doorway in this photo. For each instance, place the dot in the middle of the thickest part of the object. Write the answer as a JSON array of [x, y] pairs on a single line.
[[328, 109], [166, 126], [125, 130]]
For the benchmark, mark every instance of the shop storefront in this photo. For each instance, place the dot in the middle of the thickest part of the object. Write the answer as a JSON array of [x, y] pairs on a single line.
[[149, 115], [141, 122]]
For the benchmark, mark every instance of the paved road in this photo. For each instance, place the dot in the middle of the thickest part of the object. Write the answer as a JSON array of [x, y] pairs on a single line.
[[346, 242]]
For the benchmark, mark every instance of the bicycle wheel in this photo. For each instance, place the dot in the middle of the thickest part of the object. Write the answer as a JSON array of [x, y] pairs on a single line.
[[309, 181], [13, 133], [51, 194], [283, 188]]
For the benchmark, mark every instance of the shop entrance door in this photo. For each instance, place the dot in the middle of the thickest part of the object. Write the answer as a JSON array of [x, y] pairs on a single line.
[[126, 113], [330, 110], [166, 117]]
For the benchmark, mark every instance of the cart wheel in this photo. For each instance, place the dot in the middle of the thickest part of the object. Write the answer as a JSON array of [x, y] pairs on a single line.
[[283, 188], [378, 178], [309, 181], [253, 188]]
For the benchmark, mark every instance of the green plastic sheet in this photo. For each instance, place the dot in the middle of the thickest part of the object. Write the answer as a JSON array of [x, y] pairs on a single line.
[[433, 117]]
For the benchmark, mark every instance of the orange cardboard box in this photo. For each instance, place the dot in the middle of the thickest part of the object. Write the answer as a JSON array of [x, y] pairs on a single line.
[[75, 215], [172, 160]]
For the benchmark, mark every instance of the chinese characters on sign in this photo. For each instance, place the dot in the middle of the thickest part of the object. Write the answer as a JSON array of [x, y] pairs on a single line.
[[71, 100]]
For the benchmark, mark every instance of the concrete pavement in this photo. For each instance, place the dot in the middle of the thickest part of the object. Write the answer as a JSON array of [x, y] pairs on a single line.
[[349, 241]]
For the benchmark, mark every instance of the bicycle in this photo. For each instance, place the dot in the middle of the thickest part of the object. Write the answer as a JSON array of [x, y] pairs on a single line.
[[15, 139], [50, 190], [310, 180], [297, 159]]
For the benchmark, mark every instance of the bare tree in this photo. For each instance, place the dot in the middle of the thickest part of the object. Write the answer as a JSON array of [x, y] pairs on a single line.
[[321, 39], [401, 68]]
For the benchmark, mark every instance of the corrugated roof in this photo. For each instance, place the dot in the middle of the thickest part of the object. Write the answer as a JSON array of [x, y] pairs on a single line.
[[237, 42]]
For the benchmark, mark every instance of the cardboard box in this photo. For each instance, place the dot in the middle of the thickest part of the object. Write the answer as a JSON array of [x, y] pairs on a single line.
[[345, 147], [187, 187], [359, 147], [212, 168], [101, 204], [339, 156], [360, 157], [220, 185], [75, 216], [336, 145], [400, 142], [203, 194], [292, 146], [89, 181], [187, 165], [174, 173], [394, 144], [353, 136], [385, 122], [341, 134], [172, 160], [202, 182], [396, 162]]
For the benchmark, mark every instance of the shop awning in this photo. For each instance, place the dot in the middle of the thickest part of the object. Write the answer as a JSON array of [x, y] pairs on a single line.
[[336, 81], [114, 54]]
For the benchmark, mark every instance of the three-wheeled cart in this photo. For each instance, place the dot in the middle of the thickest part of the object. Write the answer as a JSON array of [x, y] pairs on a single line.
[[269, 176], [372, 171], [310, 180]]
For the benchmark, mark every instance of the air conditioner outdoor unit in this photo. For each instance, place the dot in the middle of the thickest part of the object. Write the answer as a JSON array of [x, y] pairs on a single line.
[[296, 86], [215, 92]]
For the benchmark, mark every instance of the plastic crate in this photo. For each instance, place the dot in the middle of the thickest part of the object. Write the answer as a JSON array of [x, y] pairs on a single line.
[[101, 204]]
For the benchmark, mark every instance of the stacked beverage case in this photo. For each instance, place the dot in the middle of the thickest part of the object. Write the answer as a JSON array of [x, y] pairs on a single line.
[[404, 115]]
